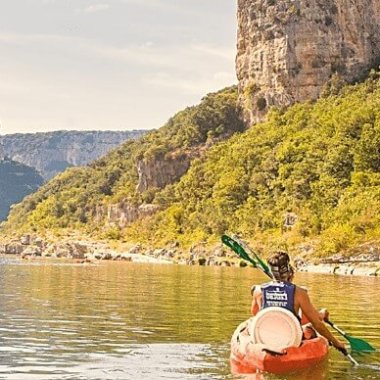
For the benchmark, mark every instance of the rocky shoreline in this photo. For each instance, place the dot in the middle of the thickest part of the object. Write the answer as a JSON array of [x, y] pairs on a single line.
[[362, 261], [83, 251], [345, 269]]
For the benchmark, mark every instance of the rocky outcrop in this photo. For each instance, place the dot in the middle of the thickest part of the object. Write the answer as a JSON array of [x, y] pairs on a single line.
[[367, 269], [153, 173], [52, 152], [363, 261], [123, 213], [289, 49], [161, 171]]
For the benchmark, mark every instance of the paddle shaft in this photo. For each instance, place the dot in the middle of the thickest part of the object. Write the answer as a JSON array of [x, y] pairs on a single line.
[[335, 327], [352, 360]]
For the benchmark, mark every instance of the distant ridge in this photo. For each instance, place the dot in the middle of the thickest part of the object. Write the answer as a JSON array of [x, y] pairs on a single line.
[[52, 152]]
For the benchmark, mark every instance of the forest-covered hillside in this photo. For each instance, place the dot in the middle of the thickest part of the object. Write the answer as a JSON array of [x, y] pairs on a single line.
[[319, 162], [130, 173]]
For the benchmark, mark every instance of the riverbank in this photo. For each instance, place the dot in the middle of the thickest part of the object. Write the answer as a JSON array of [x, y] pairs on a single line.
[[346, 269], [86, 250], [76, 248], [364, 260]]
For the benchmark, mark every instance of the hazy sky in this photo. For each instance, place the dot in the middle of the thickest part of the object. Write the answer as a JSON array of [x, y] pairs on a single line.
[[112, 64]]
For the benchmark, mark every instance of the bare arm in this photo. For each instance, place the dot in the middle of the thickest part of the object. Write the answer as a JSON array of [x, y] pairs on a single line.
[[256, 299], [323, 316], [314, 317]]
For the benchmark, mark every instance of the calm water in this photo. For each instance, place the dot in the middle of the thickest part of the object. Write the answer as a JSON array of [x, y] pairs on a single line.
[[138, 321]]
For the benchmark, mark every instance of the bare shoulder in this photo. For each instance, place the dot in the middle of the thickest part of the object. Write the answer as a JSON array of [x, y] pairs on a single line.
[[257, 290], [301, 292]]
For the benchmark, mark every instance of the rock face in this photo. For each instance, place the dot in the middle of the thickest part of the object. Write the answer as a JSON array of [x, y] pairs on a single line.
[[160, 172], [288, 49], [52, 152], [123, 213]]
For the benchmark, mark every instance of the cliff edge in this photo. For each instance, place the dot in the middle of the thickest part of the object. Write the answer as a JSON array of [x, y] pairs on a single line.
[[287, 50]]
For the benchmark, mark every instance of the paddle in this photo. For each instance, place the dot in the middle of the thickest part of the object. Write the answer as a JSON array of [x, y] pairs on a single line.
[[355, 343], [241, 248], [237, 246]]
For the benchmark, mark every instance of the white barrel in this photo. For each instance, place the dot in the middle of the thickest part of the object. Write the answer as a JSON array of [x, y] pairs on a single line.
[[276, 328]]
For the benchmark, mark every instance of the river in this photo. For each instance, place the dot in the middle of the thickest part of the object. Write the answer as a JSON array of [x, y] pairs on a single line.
[[119, 320]]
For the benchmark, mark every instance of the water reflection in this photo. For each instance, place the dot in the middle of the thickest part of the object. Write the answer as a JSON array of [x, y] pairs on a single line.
[[138, 321]]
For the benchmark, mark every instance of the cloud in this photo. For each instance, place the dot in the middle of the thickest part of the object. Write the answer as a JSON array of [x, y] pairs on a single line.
[[156, 4], [224, 76], [168, 76], [193, 84], [168, 80], [94, 8], [185, 55], [188, 56], [215, 51]]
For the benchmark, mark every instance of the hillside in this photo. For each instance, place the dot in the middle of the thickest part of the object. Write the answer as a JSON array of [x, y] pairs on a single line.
[[318, 162], [122, 186], [52, 152], [17, 181]]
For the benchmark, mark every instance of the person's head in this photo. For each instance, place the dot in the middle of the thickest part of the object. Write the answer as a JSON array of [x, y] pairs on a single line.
[[280, 266]]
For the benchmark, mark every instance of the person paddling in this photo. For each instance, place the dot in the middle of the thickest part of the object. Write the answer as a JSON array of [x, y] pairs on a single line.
[[283, 293]]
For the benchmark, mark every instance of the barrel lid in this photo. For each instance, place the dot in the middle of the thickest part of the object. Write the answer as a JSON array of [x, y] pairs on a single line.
[[276, 328]]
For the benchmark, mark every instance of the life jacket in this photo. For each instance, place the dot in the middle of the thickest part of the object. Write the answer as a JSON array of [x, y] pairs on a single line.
[[278, 294]]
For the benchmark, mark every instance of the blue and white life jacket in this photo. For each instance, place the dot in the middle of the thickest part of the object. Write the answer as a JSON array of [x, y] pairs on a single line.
[[278, 294]]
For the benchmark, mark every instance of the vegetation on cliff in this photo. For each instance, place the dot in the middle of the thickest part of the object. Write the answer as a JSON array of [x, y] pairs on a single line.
[[71, 199], [318, 161]]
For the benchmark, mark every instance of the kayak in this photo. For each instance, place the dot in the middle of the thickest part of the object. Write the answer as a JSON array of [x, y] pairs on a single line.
[[248, 356]]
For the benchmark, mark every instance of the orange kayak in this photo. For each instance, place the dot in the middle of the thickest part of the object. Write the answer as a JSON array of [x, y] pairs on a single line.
[[248, 357]]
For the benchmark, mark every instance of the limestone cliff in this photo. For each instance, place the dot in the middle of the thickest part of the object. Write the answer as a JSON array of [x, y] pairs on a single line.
[[123, 213], [153, 174], [161, 171], [288, 49], [52, 152]]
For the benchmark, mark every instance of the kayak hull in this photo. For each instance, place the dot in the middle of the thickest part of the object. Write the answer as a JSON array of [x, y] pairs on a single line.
[[248, 357]]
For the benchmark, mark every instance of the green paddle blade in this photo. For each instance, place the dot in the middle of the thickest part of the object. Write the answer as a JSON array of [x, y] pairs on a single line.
[[265, 267], [359, 344], [260, 263], [355, 343], [237, 248]]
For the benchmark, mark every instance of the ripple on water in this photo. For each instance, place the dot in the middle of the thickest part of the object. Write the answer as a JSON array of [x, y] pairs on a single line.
[[138, 321], [148, 361]]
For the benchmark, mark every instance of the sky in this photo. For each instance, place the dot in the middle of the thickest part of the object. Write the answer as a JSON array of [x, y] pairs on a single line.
[[110, 64]]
